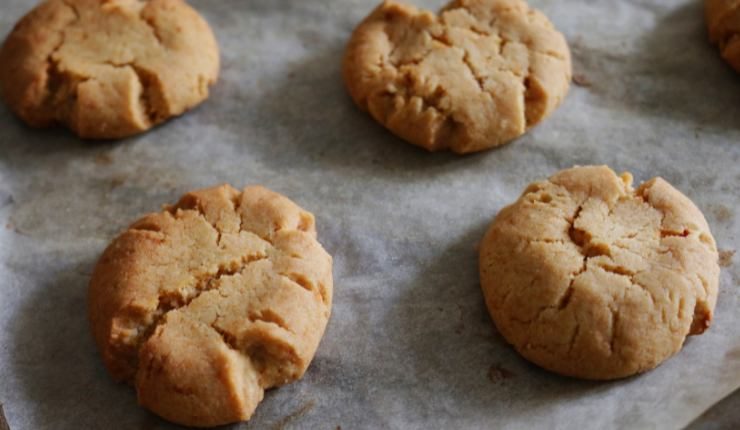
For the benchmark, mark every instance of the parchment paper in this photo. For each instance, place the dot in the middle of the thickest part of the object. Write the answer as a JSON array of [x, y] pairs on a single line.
[[409, 344]]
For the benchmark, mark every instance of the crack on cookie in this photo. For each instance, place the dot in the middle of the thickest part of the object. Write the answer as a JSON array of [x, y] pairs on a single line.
[[192, 203], [478, 79], [702, 313], [433, 101], [61, 92], [578, 237], [267, 316], [645, 289], [258, 351], [273, 367], [442, 14], [152, 25], [176, 299], [501, 46], [229, 339], [627, 273], [621, 246], [155, 366], [149, 233], [299, 280], [442, 39], [613, 330], [305, 283], [73, 8], [664, 233], [150, 92], [54, 77], [552, 54], [541, 311], [526, 100], [615, 269], [236, 204], [590, 250], [564, 300], [406, 63], [266, 238], [169, 301], [574, 338], [478, 31]]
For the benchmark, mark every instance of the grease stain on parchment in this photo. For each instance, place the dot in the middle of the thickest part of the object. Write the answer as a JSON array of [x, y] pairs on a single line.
[[303, 410], [725, 257]]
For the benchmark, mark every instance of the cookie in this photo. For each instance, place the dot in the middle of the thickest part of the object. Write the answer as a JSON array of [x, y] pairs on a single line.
[[107, 69], [477, 75], [723, 23], [210, 302], [588, 277]]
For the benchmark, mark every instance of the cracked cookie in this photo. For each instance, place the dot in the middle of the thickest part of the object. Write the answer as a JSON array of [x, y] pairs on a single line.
[[723, 22], [477, 75], [588, 277], [210, 302], [107, 69]]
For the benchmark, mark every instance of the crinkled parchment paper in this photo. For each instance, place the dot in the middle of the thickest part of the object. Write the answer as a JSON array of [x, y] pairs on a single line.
[[409, 344]]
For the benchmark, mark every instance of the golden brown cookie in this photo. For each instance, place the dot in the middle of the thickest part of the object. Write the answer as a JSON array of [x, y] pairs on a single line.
[[478, 75], [723, 22], [588, 277], [107, 68], [209, 303]]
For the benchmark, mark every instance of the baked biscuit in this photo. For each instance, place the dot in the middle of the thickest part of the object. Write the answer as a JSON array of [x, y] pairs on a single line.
[[209, 303], [107, 69], [478, 75], [723, 22], [588, 277]]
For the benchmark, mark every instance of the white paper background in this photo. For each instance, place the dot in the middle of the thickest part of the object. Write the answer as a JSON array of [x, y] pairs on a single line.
[[409, 344]]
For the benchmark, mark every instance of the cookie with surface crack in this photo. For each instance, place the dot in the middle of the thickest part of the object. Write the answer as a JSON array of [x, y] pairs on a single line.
[[107, 69], [723, 23], [588, 277], [477, 75], [210, 302]]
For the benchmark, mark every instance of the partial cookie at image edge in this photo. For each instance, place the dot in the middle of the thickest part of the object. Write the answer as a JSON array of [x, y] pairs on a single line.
[[107, 71], [723, 25]]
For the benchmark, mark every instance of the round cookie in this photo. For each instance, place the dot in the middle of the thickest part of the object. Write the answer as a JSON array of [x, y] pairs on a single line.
[[588, 277], [209, 303], [723, 23], [107, 69], [477, 75]]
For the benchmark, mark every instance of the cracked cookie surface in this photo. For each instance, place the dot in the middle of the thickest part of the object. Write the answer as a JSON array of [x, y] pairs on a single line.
[[107, 69], [205, 305], [588, 277], [477, 75], [723, 23]]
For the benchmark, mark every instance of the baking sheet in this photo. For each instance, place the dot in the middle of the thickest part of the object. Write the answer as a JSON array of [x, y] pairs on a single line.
[[723, 415], [409, 344]]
